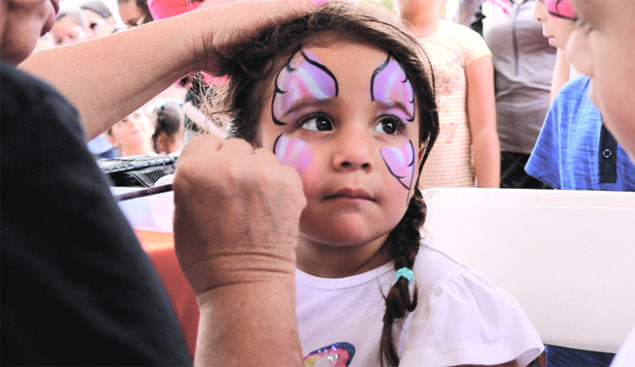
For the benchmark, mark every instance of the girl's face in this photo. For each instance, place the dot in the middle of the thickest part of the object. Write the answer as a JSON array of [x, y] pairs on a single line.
[[65, 32], [133, 133], [604, 35], [344, 116], [556, 27]]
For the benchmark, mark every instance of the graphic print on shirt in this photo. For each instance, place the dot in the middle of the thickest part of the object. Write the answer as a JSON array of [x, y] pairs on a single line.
[[305, 78], [334, 355]]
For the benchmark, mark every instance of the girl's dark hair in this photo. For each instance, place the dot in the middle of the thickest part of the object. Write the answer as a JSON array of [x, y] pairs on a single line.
[[252, 68]]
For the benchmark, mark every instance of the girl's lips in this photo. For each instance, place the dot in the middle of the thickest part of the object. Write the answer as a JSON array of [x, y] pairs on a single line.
[[351, 193]]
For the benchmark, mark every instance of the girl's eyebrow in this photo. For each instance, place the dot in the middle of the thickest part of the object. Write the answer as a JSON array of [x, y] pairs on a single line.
[[303, 80], [300, 103], [390, 86], [397, 105]]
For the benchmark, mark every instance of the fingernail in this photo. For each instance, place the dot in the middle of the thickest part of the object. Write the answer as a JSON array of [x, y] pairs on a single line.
[[318, 3]]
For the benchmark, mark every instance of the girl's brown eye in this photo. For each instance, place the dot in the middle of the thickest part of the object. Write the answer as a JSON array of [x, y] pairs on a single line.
[[316, 123], [389, 126]]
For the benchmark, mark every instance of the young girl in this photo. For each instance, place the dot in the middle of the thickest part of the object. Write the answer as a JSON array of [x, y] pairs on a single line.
[[345, 97], [467, 151]]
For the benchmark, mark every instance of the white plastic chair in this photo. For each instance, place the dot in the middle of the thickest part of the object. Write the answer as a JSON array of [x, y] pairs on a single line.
[[568, 257]]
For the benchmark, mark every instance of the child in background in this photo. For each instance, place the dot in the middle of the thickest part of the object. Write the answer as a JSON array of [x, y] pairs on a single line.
[[604, 34], [134, 12], [169, 128], [574, 150], [70, 27], [467, 152], [345, 96], [133, 135], [100, 20]]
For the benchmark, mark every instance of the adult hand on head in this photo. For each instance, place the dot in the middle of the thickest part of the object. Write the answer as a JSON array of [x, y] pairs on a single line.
[[129, 68], [237, 22]]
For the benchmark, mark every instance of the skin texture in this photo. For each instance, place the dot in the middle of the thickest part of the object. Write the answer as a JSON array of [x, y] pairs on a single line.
[[603, 35]]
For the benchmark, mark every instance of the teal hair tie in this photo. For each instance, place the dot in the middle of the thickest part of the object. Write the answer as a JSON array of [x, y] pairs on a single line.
[[405, 273]]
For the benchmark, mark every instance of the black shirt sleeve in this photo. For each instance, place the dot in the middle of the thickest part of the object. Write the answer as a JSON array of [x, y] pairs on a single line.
[[77, 288]]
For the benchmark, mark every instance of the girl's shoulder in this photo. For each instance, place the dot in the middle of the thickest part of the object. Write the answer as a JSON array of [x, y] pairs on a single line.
[[484, 318]]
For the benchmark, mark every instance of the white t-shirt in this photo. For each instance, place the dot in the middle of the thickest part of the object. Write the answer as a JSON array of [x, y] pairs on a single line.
[[461, 317]]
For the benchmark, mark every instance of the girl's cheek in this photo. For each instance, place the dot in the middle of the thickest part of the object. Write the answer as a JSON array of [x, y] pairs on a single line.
[[400, 162], [294, 152]]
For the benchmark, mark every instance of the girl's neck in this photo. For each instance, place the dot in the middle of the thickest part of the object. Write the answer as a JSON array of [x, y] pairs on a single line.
[[329, 261]]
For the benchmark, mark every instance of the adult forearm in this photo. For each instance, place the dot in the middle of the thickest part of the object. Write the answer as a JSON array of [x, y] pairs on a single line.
[[249, 325], [109, 77]]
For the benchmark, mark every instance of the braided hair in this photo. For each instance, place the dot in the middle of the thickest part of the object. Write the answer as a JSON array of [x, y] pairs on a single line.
[[251, 67]]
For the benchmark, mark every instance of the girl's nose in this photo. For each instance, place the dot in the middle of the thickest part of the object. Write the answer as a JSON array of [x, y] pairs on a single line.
[[353, 150]]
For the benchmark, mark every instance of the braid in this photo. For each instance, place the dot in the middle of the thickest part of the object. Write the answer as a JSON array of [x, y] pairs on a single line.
[[404, 242]]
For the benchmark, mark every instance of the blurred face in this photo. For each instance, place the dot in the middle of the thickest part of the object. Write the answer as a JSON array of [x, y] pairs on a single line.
[[98, 26], [133, 134], [555, 26], [65, 32], [22, 22], [130, 13], [344, 116], [604, 34]]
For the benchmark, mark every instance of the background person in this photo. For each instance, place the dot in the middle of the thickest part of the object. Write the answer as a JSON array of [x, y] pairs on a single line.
[[467, 153], [100, 20], [70, 27]]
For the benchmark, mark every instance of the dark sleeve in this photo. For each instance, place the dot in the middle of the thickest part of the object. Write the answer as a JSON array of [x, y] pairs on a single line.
[[77, 288]]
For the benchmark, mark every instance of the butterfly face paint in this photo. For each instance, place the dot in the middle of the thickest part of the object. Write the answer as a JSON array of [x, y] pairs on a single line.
[[391, 86], [293, 151], [560, 9], [303, 78], [401, 162]]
